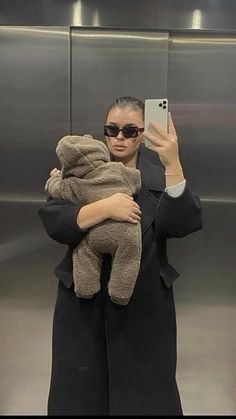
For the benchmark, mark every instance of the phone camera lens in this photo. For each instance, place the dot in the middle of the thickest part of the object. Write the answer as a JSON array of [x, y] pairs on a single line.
[[160, 104], [164, 102], [164, 107]]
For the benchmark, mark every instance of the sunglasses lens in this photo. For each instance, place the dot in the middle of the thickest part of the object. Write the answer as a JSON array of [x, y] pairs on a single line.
[[127, 131], [130, 132], [111, 131]]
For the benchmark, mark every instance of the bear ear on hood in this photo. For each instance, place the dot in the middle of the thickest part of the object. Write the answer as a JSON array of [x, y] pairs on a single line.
[[79, 155], [67, 150]]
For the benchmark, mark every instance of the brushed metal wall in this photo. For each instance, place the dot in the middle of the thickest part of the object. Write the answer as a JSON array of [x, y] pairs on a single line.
[[33, 114], [47, 79], [35, 109], [142, 14], [202, 93], [110, 63]]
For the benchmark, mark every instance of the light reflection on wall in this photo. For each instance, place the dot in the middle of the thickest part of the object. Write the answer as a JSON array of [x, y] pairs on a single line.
[[197, 19], [77, 14]]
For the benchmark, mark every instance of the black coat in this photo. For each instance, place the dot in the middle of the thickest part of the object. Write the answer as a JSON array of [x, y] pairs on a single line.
[[117, 360]]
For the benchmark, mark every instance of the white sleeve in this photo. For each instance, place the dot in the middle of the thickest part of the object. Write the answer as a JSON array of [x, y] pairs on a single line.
[[176, 190]]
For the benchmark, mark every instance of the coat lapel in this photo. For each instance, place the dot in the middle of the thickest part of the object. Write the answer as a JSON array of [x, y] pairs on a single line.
[[152, 179]]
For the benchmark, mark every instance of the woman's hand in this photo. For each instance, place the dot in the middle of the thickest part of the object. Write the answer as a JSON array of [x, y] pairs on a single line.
[[55, 172], [122, 207], [165, 143], [118, 207]]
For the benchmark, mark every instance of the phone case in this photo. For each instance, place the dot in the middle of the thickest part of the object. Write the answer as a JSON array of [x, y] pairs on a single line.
[[156, 110]]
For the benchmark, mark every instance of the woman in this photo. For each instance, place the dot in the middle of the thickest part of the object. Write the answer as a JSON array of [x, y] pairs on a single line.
[[121, 360]]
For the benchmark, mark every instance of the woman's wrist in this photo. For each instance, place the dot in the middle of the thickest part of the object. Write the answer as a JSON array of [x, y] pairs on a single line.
[[173, 168], [174, 174], [92, 214]]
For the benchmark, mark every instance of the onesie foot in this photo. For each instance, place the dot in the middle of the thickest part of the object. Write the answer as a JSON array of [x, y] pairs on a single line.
[[120, 301], [88, 297]]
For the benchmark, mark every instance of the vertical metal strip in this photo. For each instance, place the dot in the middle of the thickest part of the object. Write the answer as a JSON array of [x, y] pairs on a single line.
[[70, 80], [167, 66]]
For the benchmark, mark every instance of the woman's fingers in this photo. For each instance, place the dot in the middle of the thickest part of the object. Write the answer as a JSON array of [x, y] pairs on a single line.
[[131, 220], [156, 141], [171, 128], [135, 214], [136, 209], [135, 206], [163, 142], [161, 135], [122, 207], [159, 130], [134, 218]]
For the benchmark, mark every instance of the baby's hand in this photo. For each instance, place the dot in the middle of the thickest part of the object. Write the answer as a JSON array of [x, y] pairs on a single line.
[[55, 172]]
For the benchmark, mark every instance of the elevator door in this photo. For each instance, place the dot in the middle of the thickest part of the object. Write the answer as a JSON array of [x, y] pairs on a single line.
[[111, 63], [59, 80], [33, 114], [202, 93]]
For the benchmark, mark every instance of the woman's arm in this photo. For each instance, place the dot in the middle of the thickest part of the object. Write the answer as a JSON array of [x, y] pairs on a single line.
[[179, 216], [67, 222]]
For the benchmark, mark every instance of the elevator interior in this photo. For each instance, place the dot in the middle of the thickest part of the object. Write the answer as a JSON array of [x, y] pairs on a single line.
[[57, 80]]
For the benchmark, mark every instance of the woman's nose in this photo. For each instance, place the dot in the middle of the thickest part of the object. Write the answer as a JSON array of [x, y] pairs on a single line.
[[120, 136]]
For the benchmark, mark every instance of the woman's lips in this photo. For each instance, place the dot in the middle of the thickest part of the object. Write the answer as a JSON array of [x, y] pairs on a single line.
[[119, 147]]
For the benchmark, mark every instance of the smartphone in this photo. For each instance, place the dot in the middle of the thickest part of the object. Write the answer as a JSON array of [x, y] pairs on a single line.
[[156, 110]]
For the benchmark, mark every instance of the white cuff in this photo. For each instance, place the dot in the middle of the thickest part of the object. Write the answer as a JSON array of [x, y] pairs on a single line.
[[176, 190]]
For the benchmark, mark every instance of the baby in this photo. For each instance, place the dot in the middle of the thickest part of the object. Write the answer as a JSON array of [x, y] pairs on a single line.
[[87, 175]]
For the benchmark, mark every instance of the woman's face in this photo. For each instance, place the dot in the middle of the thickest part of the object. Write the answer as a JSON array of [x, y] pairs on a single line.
[[124, 149]]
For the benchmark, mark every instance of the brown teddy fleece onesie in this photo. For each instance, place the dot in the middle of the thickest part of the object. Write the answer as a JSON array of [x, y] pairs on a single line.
[[87, 175]]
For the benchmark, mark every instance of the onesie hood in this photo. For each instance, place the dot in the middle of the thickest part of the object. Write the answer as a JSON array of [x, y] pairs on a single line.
[[80, 155]]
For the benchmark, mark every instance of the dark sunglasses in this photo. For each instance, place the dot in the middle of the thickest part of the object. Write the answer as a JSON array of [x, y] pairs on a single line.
[[128, 131]]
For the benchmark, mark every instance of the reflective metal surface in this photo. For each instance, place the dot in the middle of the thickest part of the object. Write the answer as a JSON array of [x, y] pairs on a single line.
[[109, 63], [28, 290], [52, 84], [142, 14], [33, 114], [202, 94]]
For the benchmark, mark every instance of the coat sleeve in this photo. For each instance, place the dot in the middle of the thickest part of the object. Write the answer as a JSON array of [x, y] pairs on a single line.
[[59, 220], [179, 216]]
